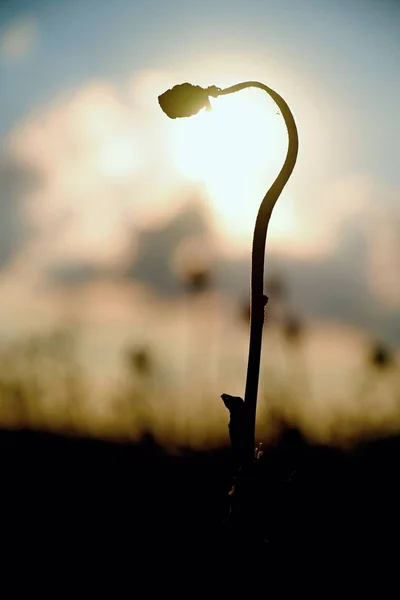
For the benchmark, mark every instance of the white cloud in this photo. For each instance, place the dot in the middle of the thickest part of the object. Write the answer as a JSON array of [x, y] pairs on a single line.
[[309, 225], [19, 38], [383, 256], [87, 148], [103, 170], [103, 157]]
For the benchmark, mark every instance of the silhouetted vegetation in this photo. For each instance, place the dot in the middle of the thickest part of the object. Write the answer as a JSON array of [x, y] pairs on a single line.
[[305, 500], [137, 503]]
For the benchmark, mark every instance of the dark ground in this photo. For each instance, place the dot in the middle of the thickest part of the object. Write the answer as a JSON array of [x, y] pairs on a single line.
[[158, 516]]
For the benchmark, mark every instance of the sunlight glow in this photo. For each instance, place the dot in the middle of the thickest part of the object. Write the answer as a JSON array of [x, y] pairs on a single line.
[[118, 158], [236, 150]]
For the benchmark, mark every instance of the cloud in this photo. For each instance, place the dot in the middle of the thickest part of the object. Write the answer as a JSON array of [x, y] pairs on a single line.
[[17, 181], [108, 205], [152, 263], [101, 167], [383, 256], [18, 38], [73, 274], [334, 286], [330, 287], [86, 149], [103, 153]]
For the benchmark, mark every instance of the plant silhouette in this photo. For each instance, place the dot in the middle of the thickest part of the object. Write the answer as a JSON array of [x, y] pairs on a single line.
[[185, 100]]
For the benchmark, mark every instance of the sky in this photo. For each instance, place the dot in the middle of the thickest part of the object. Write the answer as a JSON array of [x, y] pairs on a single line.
[[102, 197]]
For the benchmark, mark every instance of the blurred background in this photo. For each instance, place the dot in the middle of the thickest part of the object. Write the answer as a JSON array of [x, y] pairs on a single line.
[[125, 236]]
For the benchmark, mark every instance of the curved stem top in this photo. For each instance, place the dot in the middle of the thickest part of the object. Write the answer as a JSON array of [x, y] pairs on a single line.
[[275, 190]]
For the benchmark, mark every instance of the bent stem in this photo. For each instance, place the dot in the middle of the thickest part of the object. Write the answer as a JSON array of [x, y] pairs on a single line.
[[257, 298]]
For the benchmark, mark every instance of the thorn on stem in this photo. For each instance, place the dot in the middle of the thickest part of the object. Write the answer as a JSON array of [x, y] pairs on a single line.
[[237, 425]]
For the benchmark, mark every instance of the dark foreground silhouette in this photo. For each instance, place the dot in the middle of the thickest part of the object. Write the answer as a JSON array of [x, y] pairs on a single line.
[[151, 512]]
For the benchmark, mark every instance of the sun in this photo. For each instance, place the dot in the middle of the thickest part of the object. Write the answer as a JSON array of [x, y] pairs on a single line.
[[236, 151]]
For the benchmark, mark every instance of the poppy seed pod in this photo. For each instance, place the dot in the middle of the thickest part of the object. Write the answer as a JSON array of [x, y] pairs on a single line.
[[380, 357], [184, 100]]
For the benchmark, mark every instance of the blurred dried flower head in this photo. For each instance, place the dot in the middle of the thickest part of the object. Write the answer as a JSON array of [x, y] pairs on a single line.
[[198, 280], [380, 357], [191, 261], [292, 328], [140, 360]]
